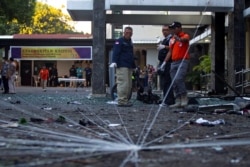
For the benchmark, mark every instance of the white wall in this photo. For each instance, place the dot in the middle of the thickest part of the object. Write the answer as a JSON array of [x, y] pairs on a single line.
[[148, 33], [63, 67], [145, 32], [152, 57]]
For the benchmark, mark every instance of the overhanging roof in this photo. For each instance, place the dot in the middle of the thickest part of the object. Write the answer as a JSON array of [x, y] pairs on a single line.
[[173, 5], [205, 37], [49, 40], [246, 12], [81, 10], [137, 19], [52, 36]]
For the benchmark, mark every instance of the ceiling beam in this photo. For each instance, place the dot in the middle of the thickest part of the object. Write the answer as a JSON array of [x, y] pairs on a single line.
[[246, 12], [136, 19]]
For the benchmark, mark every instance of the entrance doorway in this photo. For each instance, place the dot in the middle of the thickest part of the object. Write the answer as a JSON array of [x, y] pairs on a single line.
[[26, 72]]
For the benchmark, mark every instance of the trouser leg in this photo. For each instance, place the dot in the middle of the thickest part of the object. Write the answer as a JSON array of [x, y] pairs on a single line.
[[11, 83], [124, 84], [5, 84], [167, 89]]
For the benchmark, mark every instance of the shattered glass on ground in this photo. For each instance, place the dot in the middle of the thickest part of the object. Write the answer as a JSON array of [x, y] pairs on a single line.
[[64, 127]]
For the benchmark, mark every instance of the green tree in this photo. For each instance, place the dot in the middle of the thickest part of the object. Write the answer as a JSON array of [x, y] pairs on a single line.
[[48, 20], [15, 13]]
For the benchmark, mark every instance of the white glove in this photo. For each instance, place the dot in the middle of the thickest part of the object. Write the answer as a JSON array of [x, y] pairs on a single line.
[[163, 66], [113, 65], [158, 40], [160, 47]]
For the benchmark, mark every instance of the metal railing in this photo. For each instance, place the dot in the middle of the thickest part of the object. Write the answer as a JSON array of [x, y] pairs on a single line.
[[242, 81], [205, 82]]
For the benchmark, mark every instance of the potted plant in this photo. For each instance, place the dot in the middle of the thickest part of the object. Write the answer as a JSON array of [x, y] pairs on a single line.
[[193, 78], [204, 67]]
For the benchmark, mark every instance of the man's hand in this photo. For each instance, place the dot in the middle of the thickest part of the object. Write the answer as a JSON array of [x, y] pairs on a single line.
[[113, 65], [160, 47], [161, 69], [163, 66], [177, 38]]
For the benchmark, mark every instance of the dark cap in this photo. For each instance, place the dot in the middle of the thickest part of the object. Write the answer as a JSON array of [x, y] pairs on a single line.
[[175, 24]]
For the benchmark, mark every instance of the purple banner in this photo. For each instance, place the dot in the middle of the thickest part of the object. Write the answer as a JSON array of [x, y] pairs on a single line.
[[51, 52]]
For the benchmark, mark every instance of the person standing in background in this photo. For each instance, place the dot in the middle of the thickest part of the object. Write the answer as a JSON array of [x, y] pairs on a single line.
[[79, 74], [53, 76], [123, 59], [12, 76], [164, 71], [145, 78], [4, 74], [150, 78], [44, 75], [72, 75], [88, 74]]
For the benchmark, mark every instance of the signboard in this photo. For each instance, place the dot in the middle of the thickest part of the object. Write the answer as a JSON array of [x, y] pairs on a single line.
[[51, 52]]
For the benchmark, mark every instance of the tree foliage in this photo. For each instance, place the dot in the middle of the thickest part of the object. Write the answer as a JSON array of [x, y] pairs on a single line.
[[32, 17], [47, 19], [14, 13]]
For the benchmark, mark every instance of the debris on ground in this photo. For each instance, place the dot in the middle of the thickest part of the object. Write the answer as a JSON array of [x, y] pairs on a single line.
[[205, 122]]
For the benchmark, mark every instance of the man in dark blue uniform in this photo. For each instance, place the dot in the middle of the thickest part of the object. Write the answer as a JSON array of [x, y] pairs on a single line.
[[164, 70], [123, 59]]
